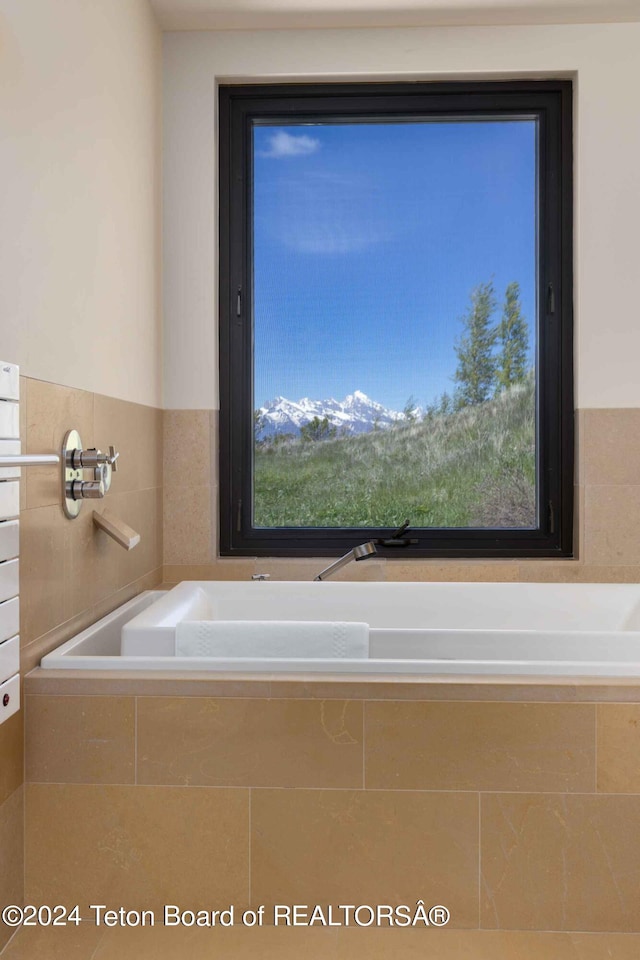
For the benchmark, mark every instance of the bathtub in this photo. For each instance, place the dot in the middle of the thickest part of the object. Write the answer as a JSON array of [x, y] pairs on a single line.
[[418, 629]]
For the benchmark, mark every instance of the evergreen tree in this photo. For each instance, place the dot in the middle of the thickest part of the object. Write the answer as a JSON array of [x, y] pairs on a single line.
[[476, 369], [317, 429], [445, 405], [410, 410], [513, 337]]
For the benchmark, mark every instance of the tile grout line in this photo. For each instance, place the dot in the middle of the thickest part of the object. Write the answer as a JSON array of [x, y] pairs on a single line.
[[595, 750], [488, 791], [479, 861], [249, 858], [101, 940], [13, 935], [24, 797], [122, 691], [340, 699], [135, 741], [364, 744]]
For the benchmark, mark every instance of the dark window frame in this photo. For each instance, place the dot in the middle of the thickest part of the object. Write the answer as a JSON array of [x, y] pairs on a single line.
[[551, 102]]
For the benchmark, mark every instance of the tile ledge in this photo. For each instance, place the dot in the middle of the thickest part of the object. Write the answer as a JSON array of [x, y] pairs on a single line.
[[329, 687]]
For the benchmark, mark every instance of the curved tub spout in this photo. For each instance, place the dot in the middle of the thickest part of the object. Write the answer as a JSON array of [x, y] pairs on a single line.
[[117, 530]]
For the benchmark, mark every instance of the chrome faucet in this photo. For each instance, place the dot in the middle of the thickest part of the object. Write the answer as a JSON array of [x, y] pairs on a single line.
[[361, 552]]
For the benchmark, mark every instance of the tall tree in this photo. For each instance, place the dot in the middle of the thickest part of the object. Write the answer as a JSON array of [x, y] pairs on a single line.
[[476, 368], [513, 337]]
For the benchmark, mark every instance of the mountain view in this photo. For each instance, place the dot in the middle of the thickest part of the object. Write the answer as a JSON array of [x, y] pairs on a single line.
[[357, 413], [470, 467]]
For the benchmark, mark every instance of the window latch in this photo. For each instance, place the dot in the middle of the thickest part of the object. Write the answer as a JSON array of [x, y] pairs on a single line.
[[239, 302], [397, 538], [551, 299]]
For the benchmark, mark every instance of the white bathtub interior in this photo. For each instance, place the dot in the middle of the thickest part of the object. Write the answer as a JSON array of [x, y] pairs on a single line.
[[102, 639], [427, 629]]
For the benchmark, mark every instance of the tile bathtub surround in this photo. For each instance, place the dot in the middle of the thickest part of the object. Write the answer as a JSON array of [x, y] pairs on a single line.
[[254, 743], [366, 847], [618, 735], [67, 567], [554, 862], [309, 743], [317, 686], [137, 846], [492, 808], [80, 739], [472, 746]]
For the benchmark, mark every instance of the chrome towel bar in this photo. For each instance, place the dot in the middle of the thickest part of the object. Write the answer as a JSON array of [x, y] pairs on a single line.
[[29, 459]]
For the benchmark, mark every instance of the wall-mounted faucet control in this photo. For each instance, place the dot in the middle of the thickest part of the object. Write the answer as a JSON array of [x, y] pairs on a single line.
[[75, 461]]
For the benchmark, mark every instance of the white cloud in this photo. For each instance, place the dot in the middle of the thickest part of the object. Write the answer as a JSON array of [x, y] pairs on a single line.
[[283, 144], [333, 238], [326, 213]]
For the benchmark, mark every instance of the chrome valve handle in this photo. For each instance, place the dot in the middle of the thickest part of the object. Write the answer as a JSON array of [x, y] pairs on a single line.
[[91, 458], [85, 489]]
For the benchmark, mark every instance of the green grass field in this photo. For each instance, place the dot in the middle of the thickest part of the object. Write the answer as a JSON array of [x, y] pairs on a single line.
[[473, 468]]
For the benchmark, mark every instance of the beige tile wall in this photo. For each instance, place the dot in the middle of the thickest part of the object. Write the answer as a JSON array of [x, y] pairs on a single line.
[[522, 818], [607, 514], [70, 573], [189, 439]]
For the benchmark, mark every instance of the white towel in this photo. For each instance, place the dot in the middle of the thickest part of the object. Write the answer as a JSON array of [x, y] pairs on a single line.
[[272, 638]]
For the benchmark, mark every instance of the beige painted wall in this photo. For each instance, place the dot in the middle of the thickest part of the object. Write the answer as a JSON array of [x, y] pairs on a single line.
[[604, 59], [80, 168]]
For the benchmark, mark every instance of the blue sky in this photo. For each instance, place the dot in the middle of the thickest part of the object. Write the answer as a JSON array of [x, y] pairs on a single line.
[[368, 240]]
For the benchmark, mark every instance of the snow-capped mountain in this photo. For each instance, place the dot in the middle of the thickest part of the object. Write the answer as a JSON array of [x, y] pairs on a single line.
[[357, 413]]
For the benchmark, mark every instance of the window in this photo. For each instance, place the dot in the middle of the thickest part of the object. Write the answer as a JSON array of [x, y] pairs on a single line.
[[396, 319]]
